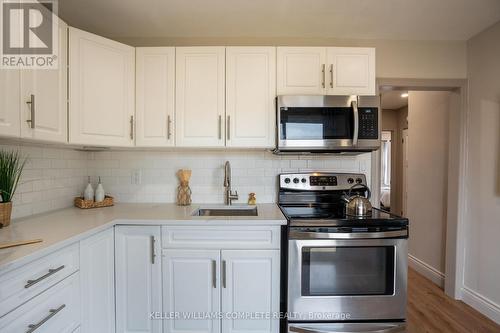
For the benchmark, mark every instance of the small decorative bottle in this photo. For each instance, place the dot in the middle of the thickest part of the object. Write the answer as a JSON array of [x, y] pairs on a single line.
[[88, 194], [252, 200], [183, 190], [99, 192]]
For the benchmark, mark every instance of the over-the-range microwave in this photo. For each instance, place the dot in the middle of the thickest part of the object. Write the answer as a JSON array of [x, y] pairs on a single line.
[[323, 124]]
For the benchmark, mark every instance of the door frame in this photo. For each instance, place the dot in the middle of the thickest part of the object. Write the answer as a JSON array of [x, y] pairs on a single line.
[[458, 165]]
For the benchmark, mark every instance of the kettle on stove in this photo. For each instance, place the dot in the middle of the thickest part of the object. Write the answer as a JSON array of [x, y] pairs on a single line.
[[358, 205]]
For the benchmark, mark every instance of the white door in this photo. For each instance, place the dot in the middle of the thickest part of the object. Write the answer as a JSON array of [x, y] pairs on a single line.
[[405, 173], [155, 93], [10, 118], [101, 90], [301, 70], [250, 96], [199, 103], [351, 71], [44, 108], [138, 278], [251, 284], [97, 271], [191, 284]]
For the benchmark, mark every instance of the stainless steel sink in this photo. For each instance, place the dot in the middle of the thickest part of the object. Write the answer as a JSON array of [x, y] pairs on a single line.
[[226, 211]]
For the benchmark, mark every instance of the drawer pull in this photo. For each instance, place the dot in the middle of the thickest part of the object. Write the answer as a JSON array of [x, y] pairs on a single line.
[[52, 313], [52, 271]]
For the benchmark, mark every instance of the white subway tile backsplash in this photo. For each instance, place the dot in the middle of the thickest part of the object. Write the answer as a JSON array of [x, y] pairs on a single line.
[[54, 176]]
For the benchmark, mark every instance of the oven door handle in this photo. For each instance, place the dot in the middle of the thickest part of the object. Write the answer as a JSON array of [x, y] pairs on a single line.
[[346, 235], [395, 329]]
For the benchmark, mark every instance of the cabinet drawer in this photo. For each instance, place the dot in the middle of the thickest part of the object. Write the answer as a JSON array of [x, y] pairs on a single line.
[[21, 284], [221, 237], [55, 310]]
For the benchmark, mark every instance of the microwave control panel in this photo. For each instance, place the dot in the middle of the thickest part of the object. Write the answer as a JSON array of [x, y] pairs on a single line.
[[368, 123]]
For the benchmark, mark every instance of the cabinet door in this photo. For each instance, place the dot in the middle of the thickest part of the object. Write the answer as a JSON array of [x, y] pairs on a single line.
[[250, 96], [49, 105], [351, 71], [97, 269], [199, 108], [251, 284], [9, 103], [301, 71], [101, 90], [138, 278], [155, 82], [191, 285]]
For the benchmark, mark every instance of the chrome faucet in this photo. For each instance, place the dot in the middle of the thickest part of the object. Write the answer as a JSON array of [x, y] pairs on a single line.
[[229, 196]]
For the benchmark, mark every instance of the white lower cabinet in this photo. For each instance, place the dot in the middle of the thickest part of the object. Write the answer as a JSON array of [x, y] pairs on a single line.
[[191, 287], [55, 310], [250, 285], [98, 282], [138, 278]]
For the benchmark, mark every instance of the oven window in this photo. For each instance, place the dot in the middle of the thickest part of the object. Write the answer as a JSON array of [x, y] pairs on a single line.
[[316, 123], [347, 271]]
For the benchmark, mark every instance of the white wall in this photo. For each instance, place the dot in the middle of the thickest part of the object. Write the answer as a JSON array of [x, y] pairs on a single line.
[[482, 227], [51, 179], [428, 118], [252, 171]]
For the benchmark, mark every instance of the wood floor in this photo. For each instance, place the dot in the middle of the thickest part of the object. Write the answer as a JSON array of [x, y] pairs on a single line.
[[430, 310]]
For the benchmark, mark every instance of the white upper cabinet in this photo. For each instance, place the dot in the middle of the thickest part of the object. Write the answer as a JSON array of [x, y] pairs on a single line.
[[9, 103], [44, 98], [200, 88], [326, 71], [301, 71], [351, 71], [155, 96], [101, 90], [250, 96]]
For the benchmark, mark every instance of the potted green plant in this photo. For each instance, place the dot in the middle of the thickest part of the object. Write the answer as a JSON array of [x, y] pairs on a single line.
[[11, 167]]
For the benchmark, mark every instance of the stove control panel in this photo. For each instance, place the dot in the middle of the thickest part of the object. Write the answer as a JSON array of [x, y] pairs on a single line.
[[320, 181]]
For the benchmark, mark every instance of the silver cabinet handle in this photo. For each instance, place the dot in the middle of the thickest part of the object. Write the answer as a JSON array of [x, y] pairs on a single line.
[[169, 126], [52, 313], [220, 127], [131, 127], [52, 271], [331, 76], [31, 103], [355, 134], [153, 255], [323, 75], [214, 273], [224, 274], [228, 129]]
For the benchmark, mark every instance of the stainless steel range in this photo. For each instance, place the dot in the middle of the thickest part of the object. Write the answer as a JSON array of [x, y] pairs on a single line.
[[345, 274]]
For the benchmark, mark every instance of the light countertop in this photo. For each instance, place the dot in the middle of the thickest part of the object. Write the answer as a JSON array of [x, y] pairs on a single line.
[[66, 226]]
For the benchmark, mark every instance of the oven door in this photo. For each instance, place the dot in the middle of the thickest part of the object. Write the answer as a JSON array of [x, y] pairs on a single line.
[[338, 277], [317, 122]]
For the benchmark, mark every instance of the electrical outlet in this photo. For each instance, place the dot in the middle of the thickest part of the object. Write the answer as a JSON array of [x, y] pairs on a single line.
[[136, 177]]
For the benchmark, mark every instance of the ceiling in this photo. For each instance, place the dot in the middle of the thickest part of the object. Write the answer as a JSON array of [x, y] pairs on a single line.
[[392, 100], [343, 19]]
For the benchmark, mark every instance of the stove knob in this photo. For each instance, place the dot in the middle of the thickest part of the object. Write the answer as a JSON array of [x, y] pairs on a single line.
[[296, 180], [304, 180], [287, 180], [359, 180], [350, 180]]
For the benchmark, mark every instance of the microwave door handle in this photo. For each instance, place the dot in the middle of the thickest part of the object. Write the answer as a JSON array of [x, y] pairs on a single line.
[[395, 329], [354, 105]]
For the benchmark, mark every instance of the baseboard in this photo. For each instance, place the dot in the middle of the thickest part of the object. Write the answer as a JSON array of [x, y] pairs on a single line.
[[482, 304], [426, 270]]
